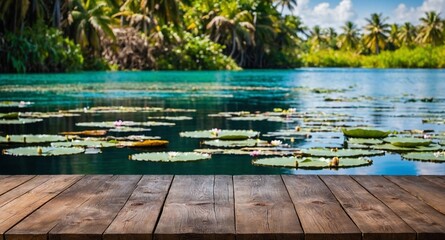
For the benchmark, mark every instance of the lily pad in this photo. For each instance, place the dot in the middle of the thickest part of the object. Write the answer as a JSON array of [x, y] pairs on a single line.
[[145, 143], [84, 143], [365, 133], [177, 118], [170, 156], [219, 133], [13, 115], [48, 114], [324, 152], [234, 143], [20, 104], [117, 124], [43, 151], [407, 141], [294, 162], [87, 133], [425, 156], [28, 138], [391, 148], [364, 141], [129, 129], [20, 121]]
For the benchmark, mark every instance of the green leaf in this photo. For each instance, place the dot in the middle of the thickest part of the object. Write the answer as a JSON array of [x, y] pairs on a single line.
[[391, 148], [311, 162], [43, 151], [323, 152], [219, 133], [364, 141], [426, 156], [170, 156], [28, 138], [407, 141], [365, 133]]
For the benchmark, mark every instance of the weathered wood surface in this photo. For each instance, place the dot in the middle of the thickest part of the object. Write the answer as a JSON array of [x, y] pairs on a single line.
[[137, 219], [321, 216], [221, 207], [431, 193], [427, 222], [264, 210], [198, 206], [372, 217]]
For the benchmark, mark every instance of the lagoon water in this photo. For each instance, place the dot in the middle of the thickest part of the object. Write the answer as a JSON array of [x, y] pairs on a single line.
[[392, 99]]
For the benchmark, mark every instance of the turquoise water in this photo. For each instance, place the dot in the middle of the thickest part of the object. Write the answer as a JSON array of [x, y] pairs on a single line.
[[386, 99]]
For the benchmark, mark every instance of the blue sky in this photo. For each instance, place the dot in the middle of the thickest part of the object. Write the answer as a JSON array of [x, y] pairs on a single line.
[[333, 13]]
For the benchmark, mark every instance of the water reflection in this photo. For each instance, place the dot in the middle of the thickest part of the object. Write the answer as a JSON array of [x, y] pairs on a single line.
[[393, 105]]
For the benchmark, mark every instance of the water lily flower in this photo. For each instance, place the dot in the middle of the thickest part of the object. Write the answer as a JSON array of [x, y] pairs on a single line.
[[118, 123], [172, 154], [215, 131], [255, 153], [437, 154], [276, 142], [427, 136]]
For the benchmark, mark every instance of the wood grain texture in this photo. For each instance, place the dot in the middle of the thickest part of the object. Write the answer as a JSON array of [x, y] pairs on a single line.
[[427, 222], [440, 180], [138, 217], [38, 224], [14, 211], [264, 210], [91, 218], [21, 189], [430, 193], [372, 217], [9, 182], [320, 213], [198, 207]]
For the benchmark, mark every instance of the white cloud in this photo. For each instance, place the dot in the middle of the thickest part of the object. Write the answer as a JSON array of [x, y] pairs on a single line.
[[324, 14], [404, 13]]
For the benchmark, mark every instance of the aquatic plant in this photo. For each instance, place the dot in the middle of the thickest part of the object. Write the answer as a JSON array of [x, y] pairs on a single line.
[[170, 156], [312, 162]]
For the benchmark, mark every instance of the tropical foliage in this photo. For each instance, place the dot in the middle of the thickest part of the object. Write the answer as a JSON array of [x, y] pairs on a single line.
[[201, 34]]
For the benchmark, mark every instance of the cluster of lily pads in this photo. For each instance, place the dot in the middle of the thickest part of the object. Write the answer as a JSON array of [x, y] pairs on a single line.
[[85, 141]]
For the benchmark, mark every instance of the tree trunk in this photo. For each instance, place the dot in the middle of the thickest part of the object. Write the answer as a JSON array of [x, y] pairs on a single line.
[[233, 43], [56, 14]]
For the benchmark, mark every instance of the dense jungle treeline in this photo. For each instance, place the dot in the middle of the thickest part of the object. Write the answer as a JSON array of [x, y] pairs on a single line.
[[73, 35]]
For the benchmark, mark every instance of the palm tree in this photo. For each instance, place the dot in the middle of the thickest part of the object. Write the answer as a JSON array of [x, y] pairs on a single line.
[[317, 38], [89, 21], [13, 14], [393, 38], [331, 37], [377, 30], [407, 34], [349, 39], [431, 29], [289, 4], [232, 27]]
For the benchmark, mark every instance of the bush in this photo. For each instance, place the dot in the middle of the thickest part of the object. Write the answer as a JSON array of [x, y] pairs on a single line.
[[39, 49], [420, 57], [196, 53]]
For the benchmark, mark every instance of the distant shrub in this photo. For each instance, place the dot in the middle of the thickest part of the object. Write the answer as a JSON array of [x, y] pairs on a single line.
[[39, 49], [196, 53], [420, 57]]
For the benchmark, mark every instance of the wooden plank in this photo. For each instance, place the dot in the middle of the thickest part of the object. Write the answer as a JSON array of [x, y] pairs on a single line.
[[320, 213], [264, 210], [427, 222], [91, 219], [432, 194], [22, 189], [372, 217], [138, 217], [198, 207], [17, 209], [9, 182], [38, 224], [440, 180]]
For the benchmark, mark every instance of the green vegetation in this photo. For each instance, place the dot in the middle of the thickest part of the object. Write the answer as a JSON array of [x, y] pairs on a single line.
[[59, 36]]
